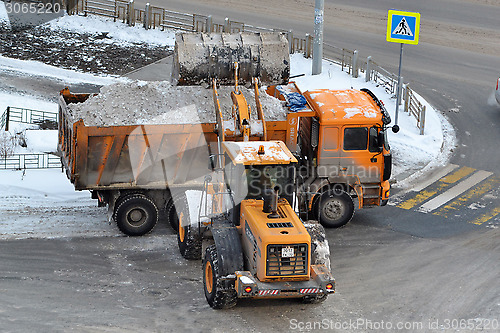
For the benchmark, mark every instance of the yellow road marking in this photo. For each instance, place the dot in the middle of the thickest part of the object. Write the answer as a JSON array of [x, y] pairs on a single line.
[[472, 194], [442, 184], [486, 217]]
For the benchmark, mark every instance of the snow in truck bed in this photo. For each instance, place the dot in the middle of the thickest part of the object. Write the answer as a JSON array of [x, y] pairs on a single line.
[[140, 102]]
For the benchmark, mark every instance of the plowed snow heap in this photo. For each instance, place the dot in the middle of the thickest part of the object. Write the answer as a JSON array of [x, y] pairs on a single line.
[[198, 58]]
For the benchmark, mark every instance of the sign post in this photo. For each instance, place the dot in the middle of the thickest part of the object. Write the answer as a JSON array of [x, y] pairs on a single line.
[[403, 28]]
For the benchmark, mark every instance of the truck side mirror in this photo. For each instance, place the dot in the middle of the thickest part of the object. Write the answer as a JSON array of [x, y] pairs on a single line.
[[381, 141], [395, 128]]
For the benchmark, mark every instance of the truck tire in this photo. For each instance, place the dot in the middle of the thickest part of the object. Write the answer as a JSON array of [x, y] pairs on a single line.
[[218, 296], [189, 241], [136, 215], [335, 209], [174, 204]]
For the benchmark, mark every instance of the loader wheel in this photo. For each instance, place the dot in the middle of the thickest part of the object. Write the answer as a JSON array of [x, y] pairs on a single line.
[[171, 208], [335, 209], [189, 241], [136, 215], [218, 296], [314, 299]]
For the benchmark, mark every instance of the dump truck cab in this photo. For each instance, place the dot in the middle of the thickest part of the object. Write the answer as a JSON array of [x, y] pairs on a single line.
[[340, 139]]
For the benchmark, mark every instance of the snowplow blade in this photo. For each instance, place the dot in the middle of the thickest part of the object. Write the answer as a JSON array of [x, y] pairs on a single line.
[[200, 57]]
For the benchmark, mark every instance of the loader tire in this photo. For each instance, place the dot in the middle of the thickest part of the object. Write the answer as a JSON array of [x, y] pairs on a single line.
[[189, 241], [136, 215], [217, 293], [171, 209], [335, 209], [315, 299]]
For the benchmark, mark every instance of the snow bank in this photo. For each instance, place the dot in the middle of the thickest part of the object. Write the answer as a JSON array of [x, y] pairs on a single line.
[[26, 102], [411, 151], [44, 204], [37, 68], [118, 32], [41, 141], [4, 18], [141, 102]]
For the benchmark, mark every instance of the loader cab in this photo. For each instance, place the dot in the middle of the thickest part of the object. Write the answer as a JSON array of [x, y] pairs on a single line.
[[251, 168]]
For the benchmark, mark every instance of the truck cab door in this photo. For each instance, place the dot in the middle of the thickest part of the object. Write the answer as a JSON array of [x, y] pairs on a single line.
[[329, 151], [360, 154]]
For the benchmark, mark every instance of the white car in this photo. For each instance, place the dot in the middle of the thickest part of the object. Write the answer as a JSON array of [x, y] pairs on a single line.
[[497, 91]]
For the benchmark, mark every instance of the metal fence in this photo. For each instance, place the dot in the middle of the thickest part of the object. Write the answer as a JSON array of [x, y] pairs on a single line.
[[30, 161], [27, 116], [415, 108], [152, 17]]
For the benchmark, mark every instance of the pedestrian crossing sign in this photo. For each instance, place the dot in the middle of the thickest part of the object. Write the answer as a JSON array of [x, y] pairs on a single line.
[[403, 27]]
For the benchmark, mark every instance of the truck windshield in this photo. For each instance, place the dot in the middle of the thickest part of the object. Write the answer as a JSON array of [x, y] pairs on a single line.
[[355, 138]]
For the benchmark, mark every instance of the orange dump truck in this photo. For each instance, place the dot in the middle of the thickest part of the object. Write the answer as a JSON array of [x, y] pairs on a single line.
[[133, 167]]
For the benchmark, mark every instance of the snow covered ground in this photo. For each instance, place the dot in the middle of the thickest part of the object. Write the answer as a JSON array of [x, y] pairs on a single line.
[[43, 203]]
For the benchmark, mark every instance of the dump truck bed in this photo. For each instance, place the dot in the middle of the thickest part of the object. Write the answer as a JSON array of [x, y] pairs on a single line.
[[147, 151]]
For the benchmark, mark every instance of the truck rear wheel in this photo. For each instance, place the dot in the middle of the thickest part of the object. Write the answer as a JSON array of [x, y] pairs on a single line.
[[217, 296], [136, 215], [335, 209]]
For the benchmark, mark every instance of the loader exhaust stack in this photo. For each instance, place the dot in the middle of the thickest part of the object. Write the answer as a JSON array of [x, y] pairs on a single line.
[[201, 57]]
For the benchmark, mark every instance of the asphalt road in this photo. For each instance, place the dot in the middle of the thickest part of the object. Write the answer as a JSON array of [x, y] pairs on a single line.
[[392, 265]]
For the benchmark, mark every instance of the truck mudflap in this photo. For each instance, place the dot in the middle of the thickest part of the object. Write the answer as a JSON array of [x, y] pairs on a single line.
[[321, 281]]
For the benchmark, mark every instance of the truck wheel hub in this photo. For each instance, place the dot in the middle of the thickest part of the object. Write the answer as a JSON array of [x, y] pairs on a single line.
[[136, 216], [334, 209]]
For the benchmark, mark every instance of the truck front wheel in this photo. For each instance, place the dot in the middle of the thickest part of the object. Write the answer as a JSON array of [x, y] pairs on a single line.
[[335, 209], [136, 215]]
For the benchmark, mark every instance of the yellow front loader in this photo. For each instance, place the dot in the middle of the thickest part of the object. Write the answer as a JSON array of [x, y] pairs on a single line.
[[255, 245]]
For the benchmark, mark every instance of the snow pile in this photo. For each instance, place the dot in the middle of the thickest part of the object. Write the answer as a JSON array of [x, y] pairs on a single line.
[[411, 151], [117, 32], [36, 68], [44, 204], [25, 101], [41, 141], [139, 102], [4, 18]]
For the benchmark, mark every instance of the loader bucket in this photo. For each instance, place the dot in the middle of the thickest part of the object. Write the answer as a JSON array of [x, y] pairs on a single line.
[[200, 57]]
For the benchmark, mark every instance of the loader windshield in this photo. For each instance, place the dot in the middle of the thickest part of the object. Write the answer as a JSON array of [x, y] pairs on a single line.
[[250, 181], [259, 178]]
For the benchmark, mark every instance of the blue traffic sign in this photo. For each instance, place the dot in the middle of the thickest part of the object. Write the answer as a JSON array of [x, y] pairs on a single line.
[[403, 27]]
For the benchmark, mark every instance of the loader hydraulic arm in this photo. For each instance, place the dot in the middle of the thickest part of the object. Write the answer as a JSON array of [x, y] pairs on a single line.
[[240, 112]]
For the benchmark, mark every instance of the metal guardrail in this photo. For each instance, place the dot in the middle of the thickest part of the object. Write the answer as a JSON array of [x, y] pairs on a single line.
[[26, 116], [415, 108], [30, 161]]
